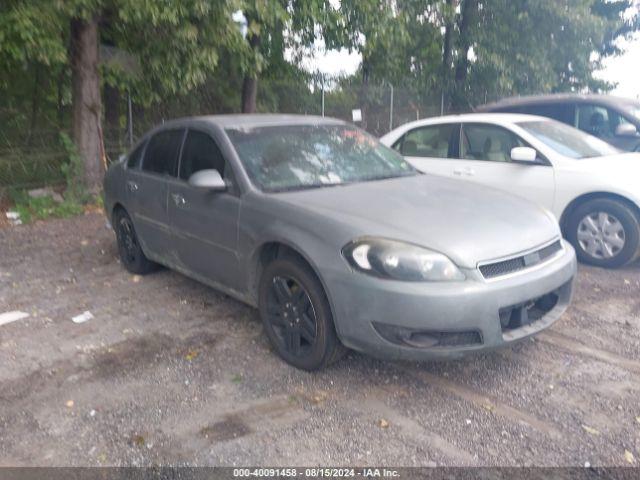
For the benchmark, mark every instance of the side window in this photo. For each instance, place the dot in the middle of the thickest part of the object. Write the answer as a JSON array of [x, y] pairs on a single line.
[[488, 142], [161, 155], [595, 120], [200, 152], [433, 141], [135, 157]]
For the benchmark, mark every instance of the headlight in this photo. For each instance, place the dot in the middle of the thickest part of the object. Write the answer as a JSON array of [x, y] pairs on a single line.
[[400, 261]]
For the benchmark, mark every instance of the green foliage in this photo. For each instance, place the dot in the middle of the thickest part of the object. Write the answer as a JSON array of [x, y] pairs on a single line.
[[189, 57], [41, 208]]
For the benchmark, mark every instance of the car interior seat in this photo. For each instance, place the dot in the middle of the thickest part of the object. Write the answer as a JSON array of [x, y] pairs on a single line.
[[494, 150], [409, 148]]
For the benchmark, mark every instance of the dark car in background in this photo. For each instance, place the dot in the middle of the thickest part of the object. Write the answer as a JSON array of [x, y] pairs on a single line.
[[613, 119]]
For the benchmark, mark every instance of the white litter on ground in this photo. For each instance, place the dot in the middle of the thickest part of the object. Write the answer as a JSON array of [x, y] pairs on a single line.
[[14, 218], [9, 317], [83, 317]]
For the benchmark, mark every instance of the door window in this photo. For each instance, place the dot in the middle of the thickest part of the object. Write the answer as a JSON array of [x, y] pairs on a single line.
[[161, 155], [595, 120], [136, 156], [488, 142], [200, 152], [434, 141]]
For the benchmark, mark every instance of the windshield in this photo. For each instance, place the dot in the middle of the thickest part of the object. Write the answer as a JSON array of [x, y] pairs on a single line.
[[635, 112], [293, 157], [568, 141]]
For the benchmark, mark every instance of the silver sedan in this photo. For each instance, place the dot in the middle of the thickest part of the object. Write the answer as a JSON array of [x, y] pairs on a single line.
[[336, 239]]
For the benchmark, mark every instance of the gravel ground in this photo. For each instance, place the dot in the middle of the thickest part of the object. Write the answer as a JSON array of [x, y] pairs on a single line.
[[172, 372]]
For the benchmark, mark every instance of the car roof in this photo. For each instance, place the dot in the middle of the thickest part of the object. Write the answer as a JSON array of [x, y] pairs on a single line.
[[498, 118], [253, 120], [608, 100]]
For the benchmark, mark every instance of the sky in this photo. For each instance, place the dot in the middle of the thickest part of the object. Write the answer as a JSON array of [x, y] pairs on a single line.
[[624, 70]]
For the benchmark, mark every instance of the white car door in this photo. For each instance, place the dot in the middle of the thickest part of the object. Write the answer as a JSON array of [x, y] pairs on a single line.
[[485, 158], [480, 153], [430, 148]]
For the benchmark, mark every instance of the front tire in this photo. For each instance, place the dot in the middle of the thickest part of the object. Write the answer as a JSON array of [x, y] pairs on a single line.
[[604, 233], [131, 254], [296, 315]]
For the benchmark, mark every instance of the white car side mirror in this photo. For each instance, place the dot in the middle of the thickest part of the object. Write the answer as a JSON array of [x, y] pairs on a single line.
[[208, 180], [626, 130], [524, 154]]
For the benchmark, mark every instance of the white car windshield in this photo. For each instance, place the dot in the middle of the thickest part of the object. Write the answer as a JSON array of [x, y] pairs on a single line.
[[568, 141], [295, 157]]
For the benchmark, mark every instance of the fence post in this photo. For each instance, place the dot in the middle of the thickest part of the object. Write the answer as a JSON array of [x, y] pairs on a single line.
[[130, 115], [391, 108]]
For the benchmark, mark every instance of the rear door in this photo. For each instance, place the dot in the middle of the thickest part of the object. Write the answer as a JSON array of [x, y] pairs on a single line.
[[147, 191], [431, 148], [205, 223]]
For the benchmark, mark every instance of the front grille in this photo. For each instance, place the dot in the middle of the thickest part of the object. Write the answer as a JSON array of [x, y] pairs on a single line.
[[516, 316], [505, 267]]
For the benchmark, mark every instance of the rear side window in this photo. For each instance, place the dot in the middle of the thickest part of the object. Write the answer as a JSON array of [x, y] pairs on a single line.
[[200, 152], [563, 112], [161, 155], [558, 111], [434, 141], [135, 157]]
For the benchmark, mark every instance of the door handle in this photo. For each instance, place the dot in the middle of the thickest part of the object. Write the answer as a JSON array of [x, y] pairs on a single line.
[[178, 200], [133, 186], [469, 172]]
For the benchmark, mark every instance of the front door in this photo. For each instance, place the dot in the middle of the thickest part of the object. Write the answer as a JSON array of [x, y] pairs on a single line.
[[485, 158], [205, 223]]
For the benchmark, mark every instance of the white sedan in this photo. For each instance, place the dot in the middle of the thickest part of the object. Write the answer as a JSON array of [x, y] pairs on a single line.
[[592, 188]]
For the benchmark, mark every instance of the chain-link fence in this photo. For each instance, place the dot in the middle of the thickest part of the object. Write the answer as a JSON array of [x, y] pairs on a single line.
[[33, 157]]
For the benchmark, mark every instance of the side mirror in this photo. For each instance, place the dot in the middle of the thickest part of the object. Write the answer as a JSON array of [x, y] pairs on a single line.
[[524, 154], [626, 130], [208, 180]]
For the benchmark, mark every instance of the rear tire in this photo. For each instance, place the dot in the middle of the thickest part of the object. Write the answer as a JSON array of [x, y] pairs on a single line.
[[604, 233], [131, 254], [297, 316]]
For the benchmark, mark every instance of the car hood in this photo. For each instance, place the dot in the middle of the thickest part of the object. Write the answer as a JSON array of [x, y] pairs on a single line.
[[466, 222], [623, 166]]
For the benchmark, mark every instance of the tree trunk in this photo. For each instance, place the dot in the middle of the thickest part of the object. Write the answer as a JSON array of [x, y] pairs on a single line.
[[85, 95], [250, 82], [249, 93], [468, 16], [447, 54]]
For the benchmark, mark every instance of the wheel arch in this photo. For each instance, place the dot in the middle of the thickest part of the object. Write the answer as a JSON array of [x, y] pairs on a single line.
[[272, 249], [117, 206], [578, 201], [269, 251]]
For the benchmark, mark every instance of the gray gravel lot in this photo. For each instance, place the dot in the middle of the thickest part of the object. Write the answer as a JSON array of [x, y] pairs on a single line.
[[172, 372]]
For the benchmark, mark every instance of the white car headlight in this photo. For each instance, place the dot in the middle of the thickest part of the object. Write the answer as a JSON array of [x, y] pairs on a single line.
[[400, 261]]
